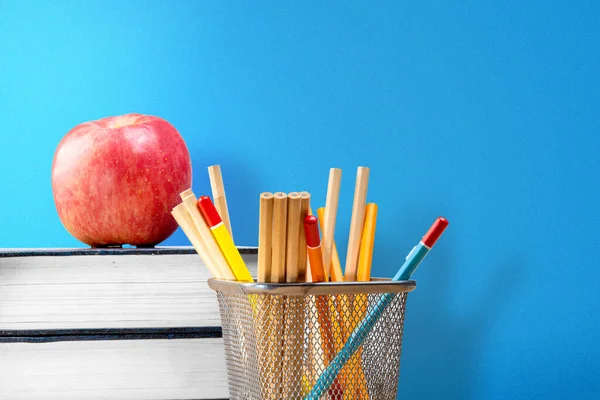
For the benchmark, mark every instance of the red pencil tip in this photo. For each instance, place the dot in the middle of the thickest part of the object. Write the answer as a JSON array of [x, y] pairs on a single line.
[[434, 233]]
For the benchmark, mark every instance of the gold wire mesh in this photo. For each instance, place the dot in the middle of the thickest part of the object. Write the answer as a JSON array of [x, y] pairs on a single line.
[[276, 346]]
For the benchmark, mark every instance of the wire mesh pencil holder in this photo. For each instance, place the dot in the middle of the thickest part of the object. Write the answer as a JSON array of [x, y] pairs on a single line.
[[282, 341]]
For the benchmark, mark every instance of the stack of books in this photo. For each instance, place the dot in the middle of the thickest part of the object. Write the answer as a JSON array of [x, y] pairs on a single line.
[[110, 324]]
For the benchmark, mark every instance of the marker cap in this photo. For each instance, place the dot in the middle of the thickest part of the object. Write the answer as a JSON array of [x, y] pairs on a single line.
[[208, 211], [311, 229], [434, 233]]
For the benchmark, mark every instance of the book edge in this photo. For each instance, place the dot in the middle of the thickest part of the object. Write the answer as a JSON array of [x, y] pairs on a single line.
[[61, 252]]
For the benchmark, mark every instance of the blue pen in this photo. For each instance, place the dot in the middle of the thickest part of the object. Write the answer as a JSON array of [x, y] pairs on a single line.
[[358, 336]]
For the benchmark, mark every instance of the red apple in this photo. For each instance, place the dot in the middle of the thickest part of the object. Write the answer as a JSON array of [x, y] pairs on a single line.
[[116, 180]]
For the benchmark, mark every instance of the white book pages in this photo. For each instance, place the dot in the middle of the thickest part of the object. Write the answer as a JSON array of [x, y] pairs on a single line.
[[107, 291], [114, 370]]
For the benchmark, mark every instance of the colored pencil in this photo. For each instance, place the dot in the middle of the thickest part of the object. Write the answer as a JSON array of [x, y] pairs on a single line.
[[360, 302], [365, 259]]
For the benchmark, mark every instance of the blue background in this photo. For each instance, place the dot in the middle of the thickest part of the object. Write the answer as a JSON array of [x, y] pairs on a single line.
[[484, 112]]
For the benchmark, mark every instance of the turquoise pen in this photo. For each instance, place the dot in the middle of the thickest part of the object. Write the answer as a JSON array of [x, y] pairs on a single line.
[[358, 336]]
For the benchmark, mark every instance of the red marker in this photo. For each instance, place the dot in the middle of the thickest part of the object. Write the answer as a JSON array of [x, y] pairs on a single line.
[[313, 248]]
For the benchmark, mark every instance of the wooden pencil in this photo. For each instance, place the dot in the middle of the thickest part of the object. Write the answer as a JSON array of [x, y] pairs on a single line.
[[293, 237], [356, 223], [278, 254], [276, 343], [184, 220], [214, 252], [302, 255], [218, 192], [336, 274], [294, 305], [185, 193], [264, 319], [278, 258], [331, 205], [265, 237]]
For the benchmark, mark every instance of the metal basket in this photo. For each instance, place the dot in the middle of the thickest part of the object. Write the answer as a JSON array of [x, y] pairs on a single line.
[[280, 338]]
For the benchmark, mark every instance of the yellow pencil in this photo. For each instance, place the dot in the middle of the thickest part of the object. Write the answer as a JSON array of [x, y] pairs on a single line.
[[365, 257], [360, 302], [224, 240]]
